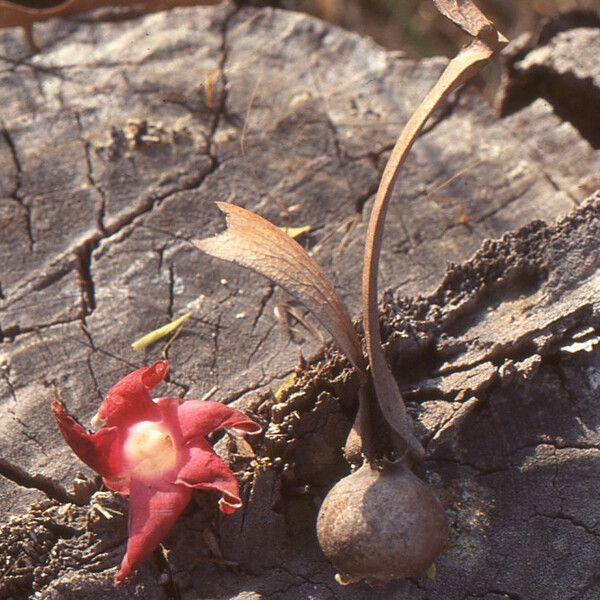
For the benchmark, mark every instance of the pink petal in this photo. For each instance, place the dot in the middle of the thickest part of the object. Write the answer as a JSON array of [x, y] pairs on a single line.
[[101, 451], [129, 400], [205, 470], [198, 418], [118, 484], [169, 416], [152, 513]]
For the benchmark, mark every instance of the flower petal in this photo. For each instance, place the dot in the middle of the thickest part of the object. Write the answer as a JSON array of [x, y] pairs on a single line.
[[198, 418], [152, 513], [101, 451], [205, 470], [118, 484], [129, 399]]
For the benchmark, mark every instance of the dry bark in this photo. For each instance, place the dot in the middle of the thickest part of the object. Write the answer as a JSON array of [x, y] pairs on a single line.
[[117, 138]]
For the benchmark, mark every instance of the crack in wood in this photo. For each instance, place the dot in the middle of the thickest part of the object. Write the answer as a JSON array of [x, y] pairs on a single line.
[[16, 193], [87, 147]]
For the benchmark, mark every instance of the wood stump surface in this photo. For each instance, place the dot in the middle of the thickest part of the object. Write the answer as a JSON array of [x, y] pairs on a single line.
[[117, 138]]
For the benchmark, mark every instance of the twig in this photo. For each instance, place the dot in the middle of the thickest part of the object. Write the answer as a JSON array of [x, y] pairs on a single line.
[[470, 60]]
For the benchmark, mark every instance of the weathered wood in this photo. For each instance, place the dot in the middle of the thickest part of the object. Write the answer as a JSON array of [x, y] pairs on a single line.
[[117, 138]]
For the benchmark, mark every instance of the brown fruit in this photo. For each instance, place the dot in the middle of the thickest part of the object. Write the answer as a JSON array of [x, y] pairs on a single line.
[[381, 525]]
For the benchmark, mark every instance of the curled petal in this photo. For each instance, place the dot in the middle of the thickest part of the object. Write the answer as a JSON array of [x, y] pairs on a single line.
[[204, 470], [151, 376], [129, 399], [198, 418], [118, 484], [152, 513], [229, 504], [100, 451]]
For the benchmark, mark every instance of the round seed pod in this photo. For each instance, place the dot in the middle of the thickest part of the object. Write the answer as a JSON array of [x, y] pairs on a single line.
[[380, 525]]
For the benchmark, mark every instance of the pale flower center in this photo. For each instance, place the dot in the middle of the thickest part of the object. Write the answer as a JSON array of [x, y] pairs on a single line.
[[149, 449]]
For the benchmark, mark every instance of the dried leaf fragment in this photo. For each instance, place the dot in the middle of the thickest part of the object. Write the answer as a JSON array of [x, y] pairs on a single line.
[[296, 232], [161, 332], [257, 244], [468, 17], [430, 571]]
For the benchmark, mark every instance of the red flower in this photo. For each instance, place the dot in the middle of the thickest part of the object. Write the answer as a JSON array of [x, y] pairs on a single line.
[[154, 451]]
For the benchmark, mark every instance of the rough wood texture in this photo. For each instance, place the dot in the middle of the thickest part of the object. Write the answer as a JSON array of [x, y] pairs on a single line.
[[117, 138]]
